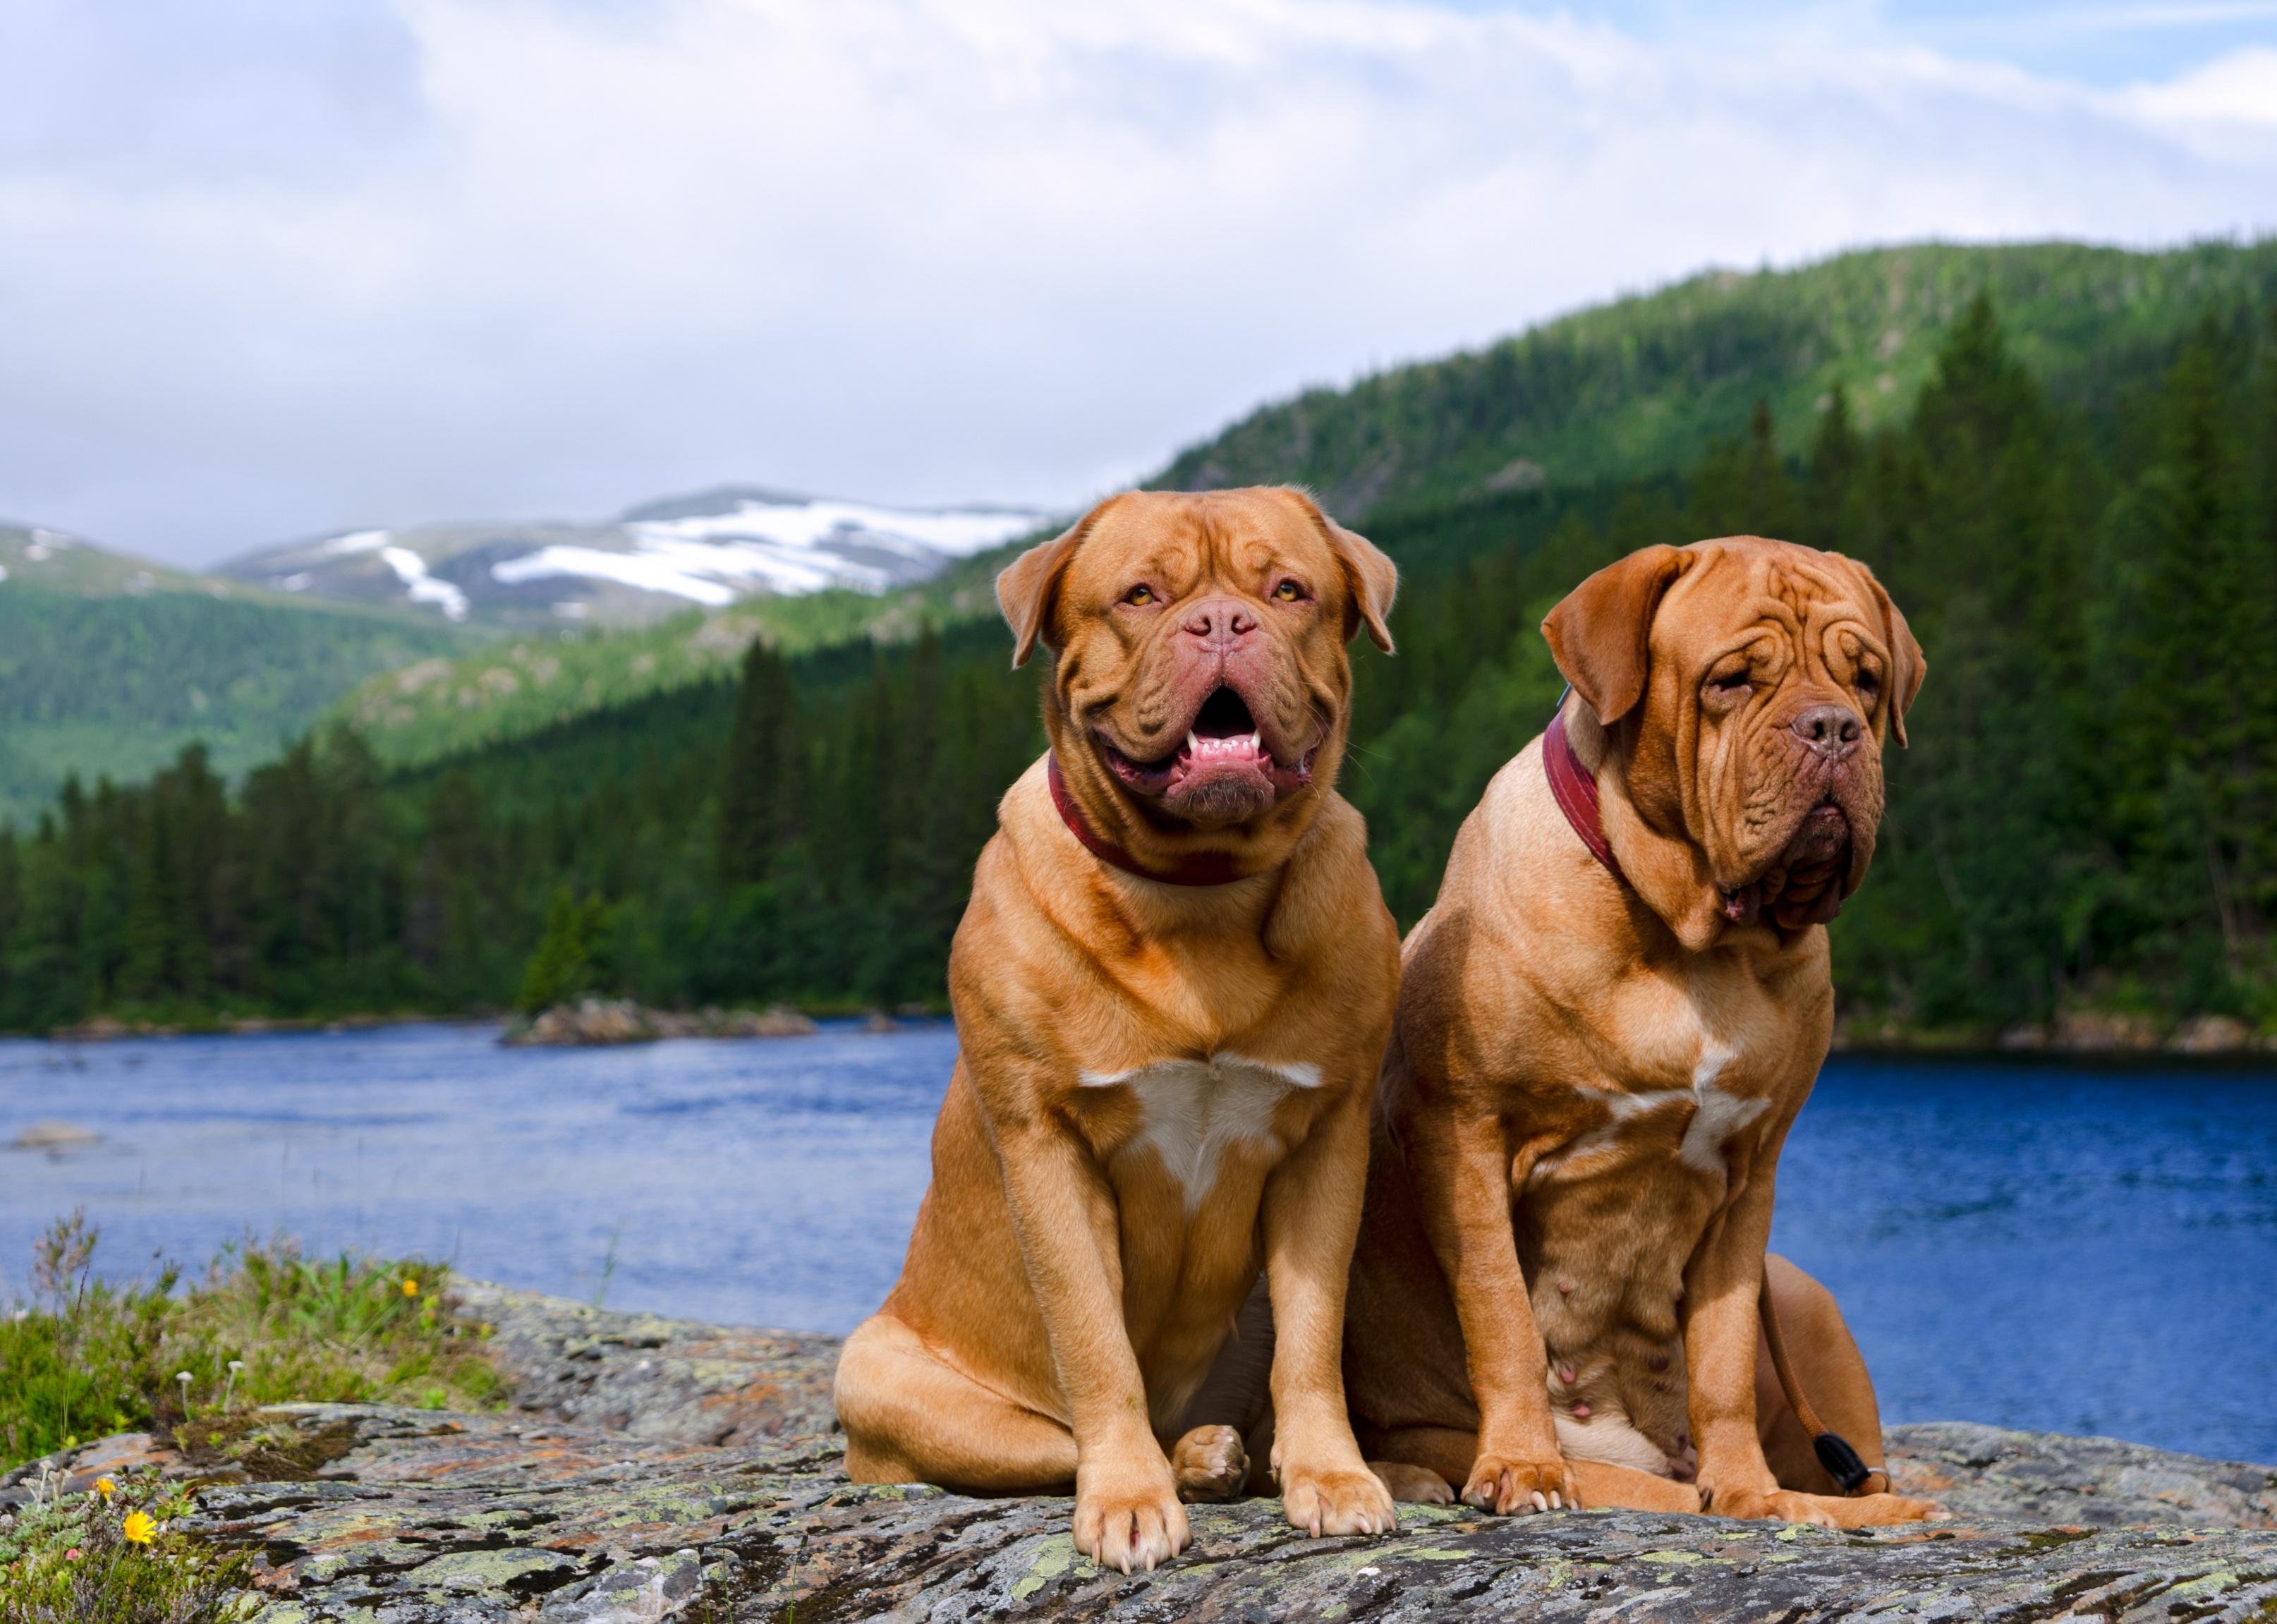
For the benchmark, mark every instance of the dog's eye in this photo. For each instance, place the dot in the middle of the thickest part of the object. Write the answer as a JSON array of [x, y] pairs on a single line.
[[1288, 591], [1870, 683], [1731, 683], [1139, 596]]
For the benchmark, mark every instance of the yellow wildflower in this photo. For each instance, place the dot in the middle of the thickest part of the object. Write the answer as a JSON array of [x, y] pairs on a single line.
[[411, 1288], [139, 1529], [104, 1487]]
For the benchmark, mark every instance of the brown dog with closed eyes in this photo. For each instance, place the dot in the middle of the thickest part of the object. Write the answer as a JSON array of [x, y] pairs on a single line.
[[1607, 1023], [1173, 988]]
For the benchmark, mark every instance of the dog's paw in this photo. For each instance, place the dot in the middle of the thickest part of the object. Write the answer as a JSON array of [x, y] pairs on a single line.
[[1503, 1486], [1209, 1464], [1337, 1500], [1770, 1505], [1418, 1485], [1875, 1510], [1129, 1519], [1826, 1511]]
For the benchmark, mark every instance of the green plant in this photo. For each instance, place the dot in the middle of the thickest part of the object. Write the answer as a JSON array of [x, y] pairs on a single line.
[[608, 1270], [116, 1555], [342, 1330], [76, 1362], [262, 1325]]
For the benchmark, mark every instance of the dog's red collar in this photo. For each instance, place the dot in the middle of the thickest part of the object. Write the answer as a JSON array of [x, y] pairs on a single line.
[[1576, 794], [1204, 868]]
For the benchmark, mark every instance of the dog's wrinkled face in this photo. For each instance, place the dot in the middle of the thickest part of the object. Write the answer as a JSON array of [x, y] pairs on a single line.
[[1752, 684], [1198, 644]]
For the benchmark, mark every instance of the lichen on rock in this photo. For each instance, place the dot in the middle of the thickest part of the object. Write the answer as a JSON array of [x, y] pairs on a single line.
[[661, 1469]]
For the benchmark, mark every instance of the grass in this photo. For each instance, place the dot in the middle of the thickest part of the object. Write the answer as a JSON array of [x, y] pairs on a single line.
[[116, 1554], [263, 1324]]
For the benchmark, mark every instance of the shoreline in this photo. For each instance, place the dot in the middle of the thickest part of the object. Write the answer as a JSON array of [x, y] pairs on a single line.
[[669, 1022], [2090, 1038]]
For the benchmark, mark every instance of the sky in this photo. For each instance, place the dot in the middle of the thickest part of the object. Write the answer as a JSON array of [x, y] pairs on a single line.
[[275, 268]]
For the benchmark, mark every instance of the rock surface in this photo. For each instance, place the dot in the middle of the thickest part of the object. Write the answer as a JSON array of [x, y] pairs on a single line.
[[660, 1470]]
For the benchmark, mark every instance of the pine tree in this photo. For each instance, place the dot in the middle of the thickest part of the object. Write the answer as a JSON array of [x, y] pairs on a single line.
[[1746, 488], [2196, 735], [1828, 520], [759, 789], [562, 967]]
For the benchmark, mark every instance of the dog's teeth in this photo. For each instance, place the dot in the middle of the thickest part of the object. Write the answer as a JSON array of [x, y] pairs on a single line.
[[1256, 743], [1193, 742]]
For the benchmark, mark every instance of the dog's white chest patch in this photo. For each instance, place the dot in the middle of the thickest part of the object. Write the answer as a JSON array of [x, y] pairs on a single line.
[[1715, 1113], [1720, 1114], [1193, 1110]]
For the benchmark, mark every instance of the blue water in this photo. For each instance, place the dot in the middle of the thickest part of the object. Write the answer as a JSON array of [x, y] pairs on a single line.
[[2034, 1246]]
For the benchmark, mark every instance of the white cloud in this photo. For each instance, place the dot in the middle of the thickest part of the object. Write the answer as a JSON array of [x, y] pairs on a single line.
[[553, 258], [2227, 107]]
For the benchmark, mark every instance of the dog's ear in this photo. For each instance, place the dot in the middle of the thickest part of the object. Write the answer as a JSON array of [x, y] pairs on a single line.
[[1028, 587], [1908, 666], [1600, 632], [1371, 578]]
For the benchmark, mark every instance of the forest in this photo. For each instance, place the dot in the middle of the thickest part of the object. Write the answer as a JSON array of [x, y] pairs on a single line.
[[120, 680], [2087, 818]]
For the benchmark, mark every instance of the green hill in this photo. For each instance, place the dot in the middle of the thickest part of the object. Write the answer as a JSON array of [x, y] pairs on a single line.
[[1558, 419], [443, 708], [110, 666], [2085, 824], [1643, 384]]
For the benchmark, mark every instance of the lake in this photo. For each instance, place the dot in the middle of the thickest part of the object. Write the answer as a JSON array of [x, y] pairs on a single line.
[[2031, 1245]]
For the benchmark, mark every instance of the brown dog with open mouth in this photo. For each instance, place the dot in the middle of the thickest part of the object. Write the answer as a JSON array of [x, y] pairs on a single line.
[[1172, 987], [1607, 1023]]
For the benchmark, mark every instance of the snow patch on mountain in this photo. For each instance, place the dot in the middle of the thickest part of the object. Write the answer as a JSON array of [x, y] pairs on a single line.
[[709, 550], [411, 569], [807, 524], [783, 545]]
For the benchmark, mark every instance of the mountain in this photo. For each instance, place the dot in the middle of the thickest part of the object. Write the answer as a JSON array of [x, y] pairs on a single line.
[[2079, 840], [58, 561], [654, 561], [107, 664], [540, 679], [110, 664], [1504, 442], [1643, 384]]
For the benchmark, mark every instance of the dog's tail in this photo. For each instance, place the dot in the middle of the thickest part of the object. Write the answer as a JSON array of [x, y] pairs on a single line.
[[1835, 1452]]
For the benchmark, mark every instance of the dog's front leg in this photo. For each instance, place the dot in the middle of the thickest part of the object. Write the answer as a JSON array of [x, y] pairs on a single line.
[[1465, 1175], [1312, 1220], [1127, 1513], [1721, 1284]]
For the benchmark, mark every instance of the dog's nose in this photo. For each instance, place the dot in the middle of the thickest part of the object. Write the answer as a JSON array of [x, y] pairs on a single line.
[[1832, 731], [1220, 622]]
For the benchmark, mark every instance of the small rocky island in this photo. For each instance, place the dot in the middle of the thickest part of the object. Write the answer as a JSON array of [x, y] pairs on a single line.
[[655, 1469], [594, 1021]]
